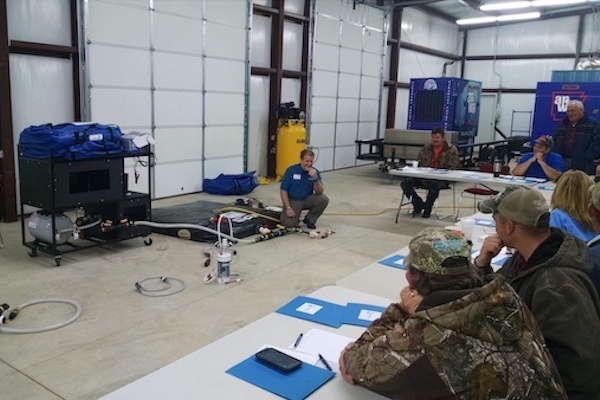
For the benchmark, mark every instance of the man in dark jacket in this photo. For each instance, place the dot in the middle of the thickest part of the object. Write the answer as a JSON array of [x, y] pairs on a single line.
[[577, 139], [439, 155], [549, 271]]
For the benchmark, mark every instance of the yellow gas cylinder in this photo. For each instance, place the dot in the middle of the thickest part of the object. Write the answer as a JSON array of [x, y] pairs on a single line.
[[291, 140]]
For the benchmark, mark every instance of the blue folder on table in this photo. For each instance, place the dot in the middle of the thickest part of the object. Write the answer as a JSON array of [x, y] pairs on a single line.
[[296, 385], [315, 310], [396, 261], [361, 314], [485, 222]]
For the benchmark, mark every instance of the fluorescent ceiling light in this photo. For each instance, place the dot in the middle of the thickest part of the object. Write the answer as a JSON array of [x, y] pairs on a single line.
[[473, 21], [510, 5], [546, 3], [513, 5], [501, 18], [516, 17]]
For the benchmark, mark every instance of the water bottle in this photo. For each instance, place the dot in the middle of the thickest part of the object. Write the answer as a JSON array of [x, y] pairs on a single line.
[[497, 167], [223, 264]]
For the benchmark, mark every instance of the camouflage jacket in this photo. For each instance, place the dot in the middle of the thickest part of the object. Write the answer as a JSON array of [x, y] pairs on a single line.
[[484, 344], [448, 159]]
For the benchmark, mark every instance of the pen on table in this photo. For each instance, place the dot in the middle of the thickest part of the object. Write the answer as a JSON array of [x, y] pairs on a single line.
[[297, 342], [324, 362]]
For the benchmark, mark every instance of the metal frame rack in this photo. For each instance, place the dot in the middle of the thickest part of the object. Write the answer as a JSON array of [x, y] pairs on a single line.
[[98, 186]]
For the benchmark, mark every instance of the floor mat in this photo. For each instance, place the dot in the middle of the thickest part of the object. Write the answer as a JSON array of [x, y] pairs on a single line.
[[202, 213]]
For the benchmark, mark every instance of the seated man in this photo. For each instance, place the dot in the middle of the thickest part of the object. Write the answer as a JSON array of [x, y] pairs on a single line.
[[577, 138], [542, 162], [302, 189], [452, 335], [549, 271], [437, 154]]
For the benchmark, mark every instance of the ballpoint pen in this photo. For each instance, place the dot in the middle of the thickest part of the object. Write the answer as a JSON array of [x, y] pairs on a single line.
[[297, 342], [324, 362]]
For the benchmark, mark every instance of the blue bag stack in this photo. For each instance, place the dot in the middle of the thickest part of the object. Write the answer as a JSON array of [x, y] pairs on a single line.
[[70, 141]]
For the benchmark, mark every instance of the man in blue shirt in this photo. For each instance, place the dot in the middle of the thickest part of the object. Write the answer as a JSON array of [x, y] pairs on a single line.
[[542, 163], [302, 189]]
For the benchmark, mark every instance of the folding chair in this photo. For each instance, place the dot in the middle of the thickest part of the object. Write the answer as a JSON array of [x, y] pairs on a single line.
[[480, 189], [404, 201]]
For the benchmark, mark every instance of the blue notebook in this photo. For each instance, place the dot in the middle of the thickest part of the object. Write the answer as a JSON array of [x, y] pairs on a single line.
[[396, 261], [314, 310], [361, 314], [296, 385], [485, 222]]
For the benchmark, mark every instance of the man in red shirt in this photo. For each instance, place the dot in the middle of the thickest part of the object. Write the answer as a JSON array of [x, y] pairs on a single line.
[[438, 154]]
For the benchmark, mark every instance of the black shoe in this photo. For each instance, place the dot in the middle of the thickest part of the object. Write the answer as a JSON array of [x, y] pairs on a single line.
[[427, 210], [417, 206], [309, 224]]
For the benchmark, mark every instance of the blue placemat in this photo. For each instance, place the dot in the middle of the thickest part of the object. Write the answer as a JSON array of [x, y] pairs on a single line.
[[361, 314], [485, 222], [314, 310], [396, 261], [296, 385]]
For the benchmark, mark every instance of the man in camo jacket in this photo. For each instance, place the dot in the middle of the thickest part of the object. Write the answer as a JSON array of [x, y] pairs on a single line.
[[452, 335]]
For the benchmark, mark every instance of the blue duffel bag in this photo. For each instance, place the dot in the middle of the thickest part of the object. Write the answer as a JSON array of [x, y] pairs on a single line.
[[231, 184], [71, 141]]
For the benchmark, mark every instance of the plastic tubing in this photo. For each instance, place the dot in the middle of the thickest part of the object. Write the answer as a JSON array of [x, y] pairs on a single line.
[[159, 292], [88, 226], [46, 328], [192, 226]]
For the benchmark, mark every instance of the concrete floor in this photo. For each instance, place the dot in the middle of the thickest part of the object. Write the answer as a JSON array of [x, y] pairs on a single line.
[[122, 335]]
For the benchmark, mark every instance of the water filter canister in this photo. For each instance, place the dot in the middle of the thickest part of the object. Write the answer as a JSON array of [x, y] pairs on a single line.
[[223, 264]]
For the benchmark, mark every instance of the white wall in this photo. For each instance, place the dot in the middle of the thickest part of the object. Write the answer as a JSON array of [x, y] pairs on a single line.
[[537, 38], [166, 71], [181, 71], [41, 88], [346, 80]]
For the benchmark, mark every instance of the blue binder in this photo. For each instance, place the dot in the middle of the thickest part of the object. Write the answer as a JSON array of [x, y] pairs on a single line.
[[296, 385]]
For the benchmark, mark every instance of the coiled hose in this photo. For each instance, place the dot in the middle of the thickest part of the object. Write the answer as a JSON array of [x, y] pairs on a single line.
[[4, 329]]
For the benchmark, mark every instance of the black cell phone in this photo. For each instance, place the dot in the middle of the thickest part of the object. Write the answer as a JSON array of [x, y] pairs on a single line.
[[277, 360]]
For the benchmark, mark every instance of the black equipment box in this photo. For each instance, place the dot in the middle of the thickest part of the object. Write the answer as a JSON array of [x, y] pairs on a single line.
[[70, 184]]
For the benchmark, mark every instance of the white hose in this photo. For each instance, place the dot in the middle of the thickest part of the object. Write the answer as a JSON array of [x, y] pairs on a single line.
[[88, 226], [161, 291], [192, 226], [47, 328]]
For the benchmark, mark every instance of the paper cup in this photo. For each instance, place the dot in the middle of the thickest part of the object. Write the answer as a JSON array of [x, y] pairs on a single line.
[[415, 164], [467, 225]]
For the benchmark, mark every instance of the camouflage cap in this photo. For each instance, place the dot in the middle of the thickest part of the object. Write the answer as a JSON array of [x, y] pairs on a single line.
[[520, 204], [431, 247]]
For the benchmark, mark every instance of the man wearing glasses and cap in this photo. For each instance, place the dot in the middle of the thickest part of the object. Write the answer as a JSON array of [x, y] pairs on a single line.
[[542, 163], [549, 271], [453, 334]]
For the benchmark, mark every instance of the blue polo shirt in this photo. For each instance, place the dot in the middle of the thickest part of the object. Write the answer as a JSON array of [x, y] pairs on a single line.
[[535, 170], [297, 183]]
